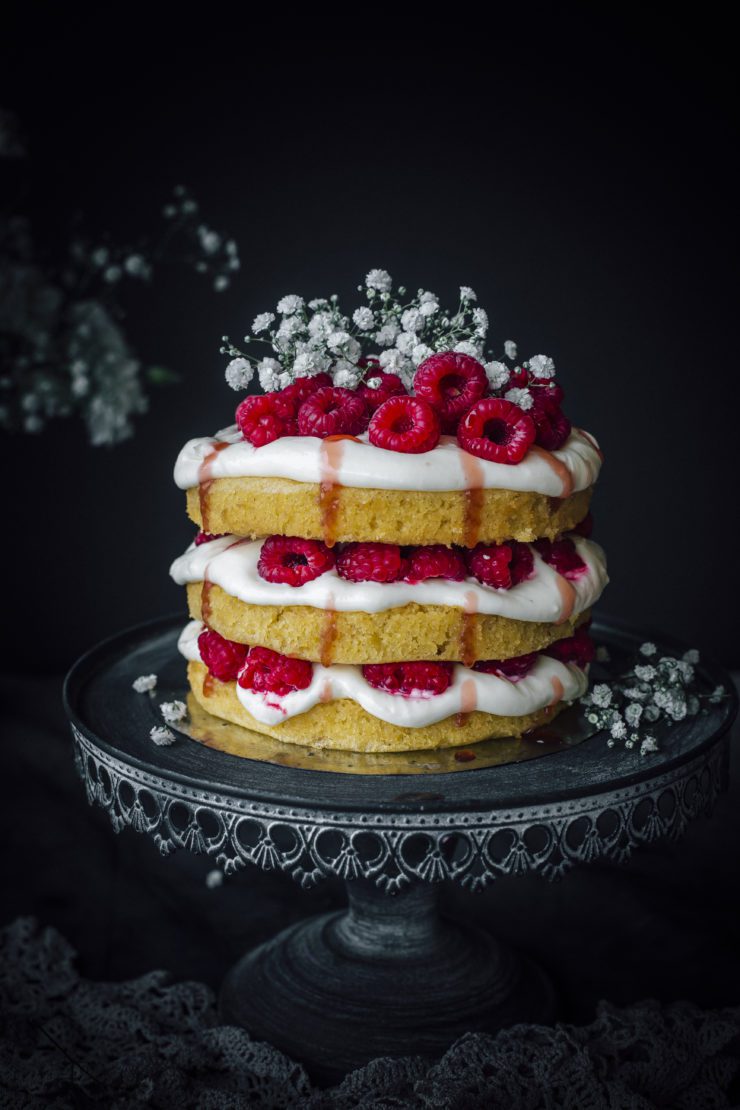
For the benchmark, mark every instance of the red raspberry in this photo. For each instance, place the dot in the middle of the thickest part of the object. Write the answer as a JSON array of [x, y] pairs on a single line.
[[207, 537], [410, 680], [553, 427], [514, 669], [224, 658], [562, 557], [578, 649], [371, 562], [406, 424], [264, 418], [332, 412], [585, 527], [268, 672], [518, 378], [390, 386], [501, 565], [435, 561], [450, 382], [547, 395], [497, 430], [303, 388], [292, 560]]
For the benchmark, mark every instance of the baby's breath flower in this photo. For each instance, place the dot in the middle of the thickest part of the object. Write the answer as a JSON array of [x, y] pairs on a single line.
[[691, 656], [717, 694], [648, 649], [346, 375], [428, 308], [262, 322], [467, 294], [420, 352], [380, 280], [239, 373], [468, 347], [214, 878], [289, 305], [510, 349], [269, 371], [144, 683], [387, 334], [363, 318], [541, 367], [173, 711], [412, 320], [649, 744], [618, 729], [520, 397], [210, 241], [374, 383], [497, 373], [406, 342], [601, 695], [162, 736], [393, 361], [632, 714], [480, 319], [645, 672]]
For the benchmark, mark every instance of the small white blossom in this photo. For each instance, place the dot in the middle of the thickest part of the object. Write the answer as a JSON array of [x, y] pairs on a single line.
[[480, 319], [380, 280], [520, 397], [173, 711], [285, 378], [467, 294], [387, 334], [393, 361], [137, 266], [374, 383], [363, 318], [214, 878], [288, 306], [648, 649], [262, 322], [468, 347], [618, 729], [632, 714], [210, 241], [497, 373], [221, 282], [429, 307], [685, 670], [412, 320], [112, 274], [269, 372], [162, 736], [290, 326], [310, 361], [144, 683], [510, 349], [541, 367], [601, 695], [420, 352], [716, 695], [100, 256], [406, 342], [645, 672], [691, 656], [651, 713], [649, 744], [346, 376], [239, 373]]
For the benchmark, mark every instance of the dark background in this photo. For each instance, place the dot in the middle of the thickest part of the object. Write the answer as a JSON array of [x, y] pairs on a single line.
[[578, 170]]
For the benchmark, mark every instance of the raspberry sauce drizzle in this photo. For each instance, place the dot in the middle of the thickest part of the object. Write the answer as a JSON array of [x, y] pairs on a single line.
[[557, 691], [468, 701], [558, 467], [205, 482], [332, 450], [208, 684], [568, 597], [205, 600], [467, 629], [472, 498]]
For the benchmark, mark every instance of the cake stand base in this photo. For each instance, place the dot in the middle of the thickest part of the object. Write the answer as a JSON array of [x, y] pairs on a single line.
[[387, 977]]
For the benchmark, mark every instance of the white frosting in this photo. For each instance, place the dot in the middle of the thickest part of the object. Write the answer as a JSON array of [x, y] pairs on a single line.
[[359, 464], [232, 564], [548, 682]]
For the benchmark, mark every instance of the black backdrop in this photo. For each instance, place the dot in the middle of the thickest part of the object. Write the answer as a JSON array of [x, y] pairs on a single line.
[[577, 169]]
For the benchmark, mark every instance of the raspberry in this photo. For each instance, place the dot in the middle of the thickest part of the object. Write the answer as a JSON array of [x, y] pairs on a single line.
[[224, 658], [501, 565], [553, 427], [518, 378], [331, 412], [410, 680], [578, 649], [406, 424], [497, 430], [562, 557], [206, 537], [390, 386], [435, 561], [585, 527], [371, 562], [264, 418], [303, 388], [268, 672], [293, 561], [514, 669], [450, 382]]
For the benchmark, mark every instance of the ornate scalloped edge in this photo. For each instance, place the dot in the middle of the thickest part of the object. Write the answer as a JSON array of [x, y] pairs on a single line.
[[400, 848]]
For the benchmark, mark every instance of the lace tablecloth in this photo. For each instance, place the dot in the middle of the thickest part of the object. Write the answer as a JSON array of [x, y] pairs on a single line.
[[69, 1042]]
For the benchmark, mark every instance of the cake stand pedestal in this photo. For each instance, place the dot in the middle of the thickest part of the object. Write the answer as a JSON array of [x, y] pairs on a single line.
[[388, 976]]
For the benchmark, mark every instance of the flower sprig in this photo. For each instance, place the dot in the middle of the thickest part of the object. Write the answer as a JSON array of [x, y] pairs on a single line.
[[653, 689], [392, 331]]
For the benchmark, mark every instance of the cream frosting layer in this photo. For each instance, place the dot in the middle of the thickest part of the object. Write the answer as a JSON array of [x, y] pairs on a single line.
[[574, 467], [231, 563], [549, 682]]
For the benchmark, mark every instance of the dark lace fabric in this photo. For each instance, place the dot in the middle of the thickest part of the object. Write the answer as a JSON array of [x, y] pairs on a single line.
[[69, 1042]]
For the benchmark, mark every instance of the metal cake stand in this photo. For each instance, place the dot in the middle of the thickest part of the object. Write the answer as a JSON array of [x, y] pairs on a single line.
[[388, 976]]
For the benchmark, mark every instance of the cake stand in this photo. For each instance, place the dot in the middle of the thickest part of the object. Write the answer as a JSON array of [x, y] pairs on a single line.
[[387, 976]]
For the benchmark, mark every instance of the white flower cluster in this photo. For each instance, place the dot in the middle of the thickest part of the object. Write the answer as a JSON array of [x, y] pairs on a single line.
[[395, 331], [145, 683], [662, 689]]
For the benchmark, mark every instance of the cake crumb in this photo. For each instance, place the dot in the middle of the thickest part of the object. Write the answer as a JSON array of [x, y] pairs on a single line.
[[144, 683], [162, 736]]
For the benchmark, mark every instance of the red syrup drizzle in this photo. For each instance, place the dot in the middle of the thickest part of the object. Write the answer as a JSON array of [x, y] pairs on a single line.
[[209, 683], [568, 598], [468, 701], [328, 633], [205, 481], [331, 452], [590, 439], [205, 600], [472, 498], [558, 467]]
